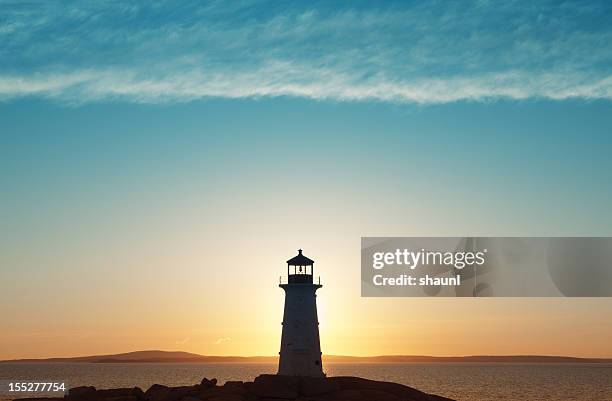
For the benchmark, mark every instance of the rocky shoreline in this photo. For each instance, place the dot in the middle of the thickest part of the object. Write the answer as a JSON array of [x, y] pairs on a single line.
[[263, 388]]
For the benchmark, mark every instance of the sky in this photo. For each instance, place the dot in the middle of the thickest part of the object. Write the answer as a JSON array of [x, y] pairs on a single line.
[[160, 163]]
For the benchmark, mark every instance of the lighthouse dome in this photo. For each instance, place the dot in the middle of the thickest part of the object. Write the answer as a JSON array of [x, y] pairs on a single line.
[[300, 260]]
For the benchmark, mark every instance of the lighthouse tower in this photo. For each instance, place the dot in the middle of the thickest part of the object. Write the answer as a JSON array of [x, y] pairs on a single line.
[[300, 352]]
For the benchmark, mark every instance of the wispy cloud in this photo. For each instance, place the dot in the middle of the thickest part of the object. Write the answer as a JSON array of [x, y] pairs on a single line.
[[222, 340], [430, 53], [183, 341]]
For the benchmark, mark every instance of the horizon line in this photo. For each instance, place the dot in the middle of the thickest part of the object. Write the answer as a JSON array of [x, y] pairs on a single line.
[[193, 355]]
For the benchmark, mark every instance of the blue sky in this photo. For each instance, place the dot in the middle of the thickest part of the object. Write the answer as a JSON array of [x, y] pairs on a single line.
[[414, 52], [153, 140]]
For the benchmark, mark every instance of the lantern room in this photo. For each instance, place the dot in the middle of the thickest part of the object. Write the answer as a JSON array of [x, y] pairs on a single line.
[[300, 269]]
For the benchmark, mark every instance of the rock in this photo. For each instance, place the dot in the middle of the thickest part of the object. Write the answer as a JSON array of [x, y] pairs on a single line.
[[81, 392], [231, 392], [121, 398], [134, 392], [40, 399], [233, 388], [345, 395], [157, 392], [228, 397], [398, 390], [309, 386], [233, 384], [208, 383], [275, 386], [178, 393], [263, 388]]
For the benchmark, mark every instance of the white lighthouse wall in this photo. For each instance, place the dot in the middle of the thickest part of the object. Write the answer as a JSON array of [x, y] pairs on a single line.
[[300, 353]]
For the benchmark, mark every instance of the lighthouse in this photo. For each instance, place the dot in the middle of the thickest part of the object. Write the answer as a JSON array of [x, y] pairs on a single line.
[[300, 351]]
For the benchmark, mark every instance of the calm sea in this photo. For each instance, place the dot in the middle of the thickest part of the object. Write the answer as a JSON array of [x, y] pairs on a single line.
[[461, 381]]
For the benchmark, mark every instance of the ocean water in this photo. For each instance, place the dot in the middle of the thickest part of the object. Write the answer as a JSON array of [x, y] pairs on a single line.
[[461, 381]]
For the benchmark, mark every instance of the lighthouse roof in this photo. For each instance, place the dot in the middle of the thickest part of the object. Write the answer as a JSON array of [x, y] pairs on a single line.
[[300, 260]]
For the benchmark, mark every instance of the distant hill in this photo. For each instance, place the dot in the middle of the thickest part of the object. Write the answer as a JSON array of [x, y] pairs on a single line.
[[178, 356], [465, 359], [152, 356]]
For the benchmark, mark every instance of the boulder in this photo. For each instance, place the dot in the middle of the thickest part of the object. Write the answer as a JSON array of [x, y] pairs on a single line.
[[134, 392], [227, 397], [398, 390], [157, 392], [263, 388], [310, 386], [233, 388], [178, 393], [121, 398], [233, 384], [344, 395], [82, 392], [231, 392], [275, 386], [40, 399], [208, 383]]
